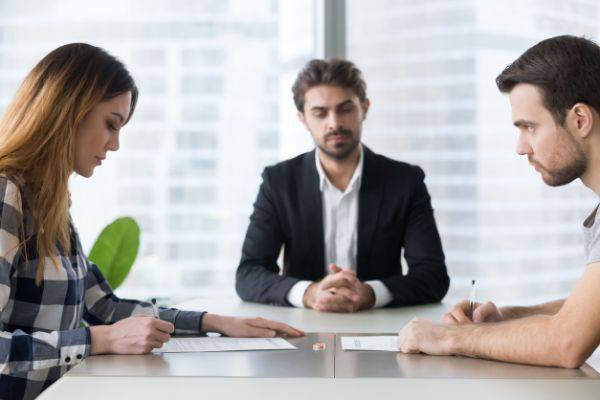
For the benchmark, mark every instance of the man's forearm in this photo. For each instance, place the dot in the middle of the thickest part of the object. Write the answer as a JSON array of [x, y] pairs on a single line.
[[260, 284], [514, 312], [530, 340]]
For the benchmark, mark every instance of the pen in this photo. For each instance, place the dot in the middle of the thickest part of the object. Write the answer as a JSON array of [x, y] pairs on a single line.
[[154, 309], [472, 299]]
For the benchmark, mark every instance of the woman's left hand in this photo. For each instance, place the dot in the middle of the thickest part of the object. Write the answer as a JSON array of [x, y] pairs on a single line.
[[247, 327]]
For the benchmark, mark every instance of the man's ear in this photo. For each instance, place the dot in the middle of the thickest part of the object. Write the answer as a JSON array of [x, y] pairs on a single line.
[[365, 107], [580, 120]]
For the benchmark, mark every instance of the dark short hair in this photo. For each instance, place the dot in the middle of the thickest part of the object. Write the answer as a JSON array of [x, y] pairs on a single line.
[[566, 69], [334, 72]]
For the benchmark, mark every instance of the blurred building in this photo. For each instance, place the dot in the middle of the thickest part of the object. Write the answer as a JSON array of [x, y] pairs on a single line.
[[430, 69], [216, 107]]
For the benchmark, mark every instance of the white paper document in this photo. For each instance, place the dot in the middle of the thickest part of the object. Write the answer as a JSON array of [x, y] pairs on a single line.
[[381, 343], [199, 344]]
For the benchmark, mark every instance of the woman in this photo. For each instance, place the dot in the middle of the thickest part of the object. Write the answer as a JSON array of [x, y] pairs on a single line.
[[65, 117]]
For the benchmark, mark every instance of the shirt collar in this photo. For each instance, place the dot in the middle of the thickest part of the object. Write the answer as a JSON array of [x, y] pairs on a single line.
[[355, 181], [589, 221]]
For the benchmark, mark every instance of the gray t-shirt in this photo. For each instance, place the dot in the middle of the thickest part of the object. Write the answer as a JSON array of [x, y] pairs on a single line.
[[591, 230]]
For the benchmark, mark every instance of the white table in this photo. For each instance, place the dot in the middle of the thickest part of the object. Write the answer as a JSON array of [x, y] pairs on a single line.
[[423, 377], [373, 321]]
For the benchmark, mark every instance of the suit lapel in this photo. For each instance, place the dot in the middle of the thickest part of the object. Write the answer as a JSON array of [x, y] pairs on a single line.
[[313, 203], [371, 193]]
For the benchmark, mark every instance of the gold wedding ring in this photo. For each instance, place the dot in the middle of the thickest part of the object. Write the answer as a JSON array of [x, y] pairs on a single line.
[[318, 346]]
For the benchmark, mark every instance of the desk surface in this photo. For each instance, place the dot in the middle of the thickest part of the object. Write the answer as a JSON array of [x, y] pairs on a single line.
[[372, 321], [177, 388], [303, 362], [448, 377], [383, 364], [332, 362]]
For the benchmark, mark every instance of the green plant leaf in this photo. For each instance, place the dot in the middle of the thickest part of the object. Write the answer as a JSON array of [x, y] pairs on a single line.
[[115, 250]]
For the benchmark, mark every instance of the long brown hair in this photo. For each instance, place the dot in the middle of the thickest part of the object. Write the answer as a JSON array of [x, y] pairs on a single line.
[[37, 133]]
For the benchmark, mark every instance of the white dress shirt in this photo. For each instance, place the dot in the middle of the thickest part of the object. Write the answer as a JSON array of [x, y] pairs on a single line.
[[340, 228]]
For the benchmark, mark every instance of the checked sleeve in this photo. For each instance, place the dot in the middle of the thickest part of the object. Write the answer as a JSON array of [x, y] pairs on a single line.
[[20, 351]]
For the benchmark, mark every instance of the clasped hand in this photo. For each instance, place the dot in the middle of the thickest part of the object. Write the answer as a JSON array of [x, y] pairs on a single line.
[[341, 291]]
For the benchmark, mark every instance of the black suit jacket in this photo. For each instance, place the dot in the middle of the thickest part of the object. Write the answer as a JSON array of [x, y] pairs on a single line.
[[394, 213]]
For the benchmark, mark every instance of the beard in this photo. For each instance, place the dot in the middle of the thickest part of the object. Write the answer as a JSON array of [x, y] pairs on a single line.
[[573, 159], [342, 150]]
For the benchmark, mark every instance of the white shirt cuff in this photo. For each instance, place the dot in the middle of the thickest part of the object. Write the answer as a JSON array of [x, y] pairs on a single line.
[[296, 294], [383, 296]]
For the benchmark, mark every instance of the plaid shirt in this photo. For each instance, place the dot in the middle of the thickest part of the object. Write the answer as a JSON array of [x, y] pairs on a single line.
[[42, 334]]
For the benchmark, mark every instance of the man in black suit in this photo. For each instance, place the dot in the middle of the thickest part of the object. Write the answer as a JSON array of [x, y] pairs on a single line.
[[342, 213]]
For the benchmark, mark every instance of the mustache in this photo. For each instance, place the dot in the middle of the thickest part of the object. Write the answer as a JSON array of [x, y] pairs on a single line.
[[339, 132]]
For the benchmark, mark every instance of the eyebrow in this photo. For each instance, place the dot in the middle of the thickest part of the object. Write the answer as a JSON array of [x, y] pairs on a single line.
[[118, 115], [343, 103], [524, 122]]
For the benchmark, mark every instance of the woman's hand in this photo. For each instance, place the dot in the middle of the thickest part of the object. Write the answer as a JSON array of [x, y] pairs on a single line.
[[133, 335], [247, 327]]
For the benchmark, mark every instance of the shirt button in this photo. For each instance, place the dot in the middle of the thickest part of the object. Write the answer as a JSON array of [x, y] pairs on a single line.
[[68, 359]]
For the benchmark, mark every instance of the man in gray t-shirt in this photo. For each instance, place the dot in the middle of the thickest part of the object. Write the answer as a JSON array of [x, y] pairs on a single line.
[[554, 93]]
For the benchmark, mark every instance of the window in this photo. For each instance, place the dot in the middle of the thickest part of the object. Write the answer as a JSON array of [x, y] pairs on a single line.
[[430, 69], [216, 108], [208, 121]]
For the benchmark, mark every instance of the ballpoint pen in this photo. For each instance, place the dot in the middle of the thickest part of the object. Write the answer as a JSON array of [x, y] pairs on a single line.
[[155, 309], [472, 300]]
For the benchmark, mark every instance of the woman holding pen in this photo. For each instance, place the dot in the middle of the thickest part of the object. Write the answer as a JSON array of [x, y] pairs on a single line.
[[65, 117]]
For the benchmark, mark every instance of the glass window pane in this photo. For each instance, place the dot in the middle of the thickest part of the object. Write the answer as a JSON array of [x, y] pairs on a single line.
[[430, 69], [211, 112]]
